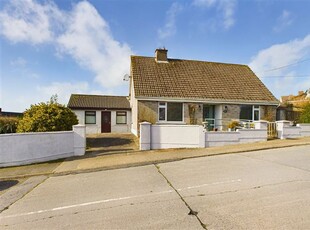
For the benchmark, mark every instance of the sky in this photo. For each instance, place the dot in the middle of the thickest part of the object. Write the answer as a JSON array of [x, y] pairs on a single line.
[[61, 47]]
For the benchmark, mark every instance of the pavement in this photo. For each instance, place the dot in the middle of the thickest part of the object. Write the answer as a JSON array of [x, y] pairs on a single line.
[[91, 162]]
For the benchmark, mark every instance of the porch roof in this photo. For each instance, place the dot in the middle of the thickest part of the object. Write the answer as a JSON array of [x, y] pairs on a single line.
[[83, 101]]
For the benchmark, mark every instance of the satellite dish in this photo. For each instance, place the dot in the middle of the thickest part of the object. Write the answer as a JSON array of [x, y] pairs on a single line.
[[126, 77]]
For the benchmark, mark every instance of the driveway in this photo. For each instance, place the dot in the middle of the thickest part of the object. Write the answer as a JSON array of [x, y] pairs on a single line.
[[107, 143]]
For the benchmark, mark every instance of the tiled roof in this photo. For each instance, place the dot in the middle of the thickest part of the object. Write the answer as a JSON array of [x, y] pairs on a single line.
[[197, 80], [81, 101]]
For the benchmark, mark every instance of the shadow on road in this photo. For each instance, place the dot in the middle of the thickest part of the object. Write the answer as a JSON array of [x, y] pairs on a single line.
[[7, 184]]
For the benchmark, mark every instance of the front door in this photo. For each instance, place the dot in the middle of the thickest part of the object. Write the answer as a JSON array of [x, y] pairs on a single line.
[[105, 122], [208, 116]]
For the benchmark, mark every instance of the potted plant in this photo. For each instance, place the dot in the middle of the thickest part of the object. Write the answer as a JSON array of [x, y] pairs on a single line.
[[232, 125]]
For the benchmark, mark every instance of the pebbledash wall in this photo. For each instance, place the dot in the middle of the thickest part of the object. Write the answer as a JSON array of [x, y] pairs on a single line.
[[26, 148], [194, 136]]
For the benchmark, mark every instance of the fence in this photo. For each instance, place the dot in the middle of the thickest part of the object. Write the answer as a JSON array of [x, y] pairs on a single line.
[[195, 136], [27, 148]]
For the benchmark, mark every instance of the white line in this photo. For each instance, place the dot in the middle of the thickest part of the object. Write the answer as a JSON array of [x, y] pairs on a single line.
[[214, 183], [86, 204], [115, 199]]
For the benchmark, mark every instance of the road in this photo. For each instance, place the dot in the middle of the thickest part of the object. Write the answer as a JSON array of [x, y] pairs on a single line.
[[258, 190]]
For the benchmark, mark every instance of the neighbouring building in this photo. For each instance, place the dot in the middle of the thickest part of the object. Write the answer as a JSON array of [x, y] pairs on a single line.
[[176, 91], [102, 114], [10, 114], [292, 105]]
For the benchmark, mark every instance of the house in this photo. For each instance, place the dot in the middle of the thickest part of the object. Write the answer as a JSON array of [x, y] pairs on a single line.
[[291, 105], [10, 114], [176, 91], [102, 114]]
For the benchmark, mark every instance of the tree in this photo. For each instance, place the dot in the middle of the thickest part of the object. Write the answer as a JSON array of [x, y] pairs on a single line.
[[45, 117], [305, 114]]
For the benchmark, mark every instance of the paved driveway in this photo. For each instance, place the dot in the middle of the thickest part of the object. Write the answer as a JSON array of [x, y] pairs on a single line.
[[107, 143], [257, 190]]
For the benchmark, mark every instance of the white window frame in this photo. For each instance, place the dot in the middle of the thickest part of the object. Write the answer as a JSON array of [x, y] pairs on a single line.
[[255, 108], [166, 111], [116, 115], [95, 116]]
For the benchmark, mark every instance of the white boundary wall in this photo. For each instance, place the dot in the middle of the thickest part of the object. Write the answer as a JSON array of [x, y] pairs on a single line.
[[194, 136], [286, 131], [26, 148]]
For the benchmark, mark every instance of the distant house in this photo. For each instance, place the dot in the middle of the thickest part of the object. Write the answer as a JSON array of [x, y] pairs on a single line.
[[10, 114], [292, 105], [102, 114], [176, 91]]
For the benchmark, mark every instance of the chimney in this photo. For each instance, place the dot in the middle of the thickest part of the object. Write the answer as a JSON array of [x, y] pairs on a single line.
[[161, 55]]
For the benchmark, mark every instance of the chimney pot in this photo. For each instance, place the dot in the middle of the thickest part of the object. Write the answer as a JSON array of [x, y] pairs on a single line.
[[161, 55]]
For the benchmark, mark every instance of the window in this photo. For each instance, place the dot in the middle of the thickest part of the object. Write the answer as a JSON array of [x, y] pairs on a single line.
[[170, 111], [256, 113], [90, 117], [249, 112], [121, 117]]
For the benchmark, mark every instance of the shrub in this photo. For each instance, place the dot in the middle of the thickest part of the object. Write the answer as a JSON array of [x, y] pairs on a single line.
[[305, 114], [45, 117], [233, 124], [8, 124]]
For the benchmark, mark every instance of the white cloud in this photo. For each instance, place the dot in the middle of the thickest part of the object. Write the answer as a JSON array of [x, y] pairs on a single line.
[[226, 9], [27, 21], [169, 28], [80, 33], [204, 3], [280, 55], [63, 90], [19, 62], [88, 40], [282, 60], [283, 21]]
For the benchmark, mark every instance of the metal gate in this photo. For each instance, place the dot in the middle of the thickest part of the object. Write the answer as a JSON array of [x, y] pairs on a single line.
[[272, 130]]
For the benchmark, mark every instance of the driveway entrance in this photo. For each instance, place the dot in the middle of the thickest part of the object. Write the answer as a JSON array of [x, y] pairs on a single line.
[[107, 143]]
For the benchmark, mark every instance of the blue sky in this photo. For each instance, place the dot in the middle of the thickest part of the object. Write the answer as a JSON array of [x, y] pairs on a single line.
[[63, 47]]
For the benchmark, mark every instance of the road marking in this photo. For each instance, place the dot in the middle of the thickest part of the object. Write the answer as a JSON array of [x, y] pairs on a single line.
[[85, 204], [214, 183], [115, 199]]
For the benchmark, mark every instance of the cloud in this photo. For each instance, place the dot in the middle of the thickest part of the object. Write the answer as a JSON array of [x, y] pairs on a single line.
[[283, 21], [80, 33], [63, 90], [226, 9], [28, 21], [19, 62], [169, 28], [87, 38], [281, 60], [204, 3], [280, 55]]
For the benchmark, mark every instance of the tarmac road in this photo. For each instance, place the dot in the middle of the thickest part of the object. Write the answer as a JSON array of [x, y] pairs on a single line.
[[267, 189]]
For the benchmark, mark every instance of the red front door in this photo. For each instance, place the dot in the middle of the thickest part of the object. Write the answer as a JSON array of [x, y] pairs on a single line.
[[105, 122]]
